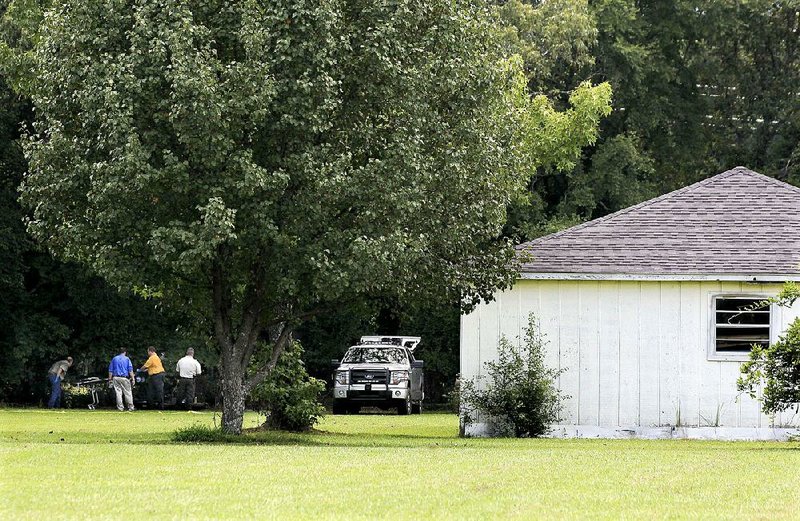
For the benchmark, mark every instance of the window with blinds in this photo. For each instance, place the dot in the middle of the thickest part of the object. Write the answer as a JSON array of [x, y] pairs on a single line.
[[740, 322]]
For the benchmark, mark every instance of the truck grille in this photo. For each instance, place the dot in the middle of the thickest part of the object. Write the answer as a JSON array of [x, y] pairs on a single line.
[[368, 376]]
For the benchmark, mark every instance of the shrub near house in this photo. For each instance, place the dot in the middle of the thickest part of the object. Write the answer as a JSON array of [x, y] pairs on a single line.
[[520, 398], [776, 366]]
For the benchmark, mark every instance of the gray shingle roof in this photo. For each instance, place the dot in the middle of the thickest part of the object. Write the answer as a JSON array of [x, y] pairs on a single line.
[[737, 222]]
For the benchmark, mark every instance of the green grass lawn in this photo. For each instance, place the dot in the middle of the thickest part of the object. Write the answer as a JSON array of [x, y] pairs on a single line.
[[101, 464]]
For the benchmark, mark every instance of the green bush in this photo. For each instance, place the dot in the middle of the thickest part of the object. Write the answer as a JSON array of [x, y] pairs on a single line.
[[778, 367], [202, 434], [289, 397], [519, 396]]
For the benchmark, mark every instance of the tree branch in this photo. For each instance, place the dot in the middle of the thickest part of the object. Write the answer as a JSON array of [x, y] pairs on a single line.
[[300, 317], [277, 351], [221, 305], [251, 325]]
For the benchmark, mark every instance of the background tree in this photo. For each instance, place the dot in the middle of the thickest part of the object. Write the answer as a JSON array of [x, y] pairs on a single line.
[[50, 308], [554, 39], [749, 72], [697, 90], [261, 163]]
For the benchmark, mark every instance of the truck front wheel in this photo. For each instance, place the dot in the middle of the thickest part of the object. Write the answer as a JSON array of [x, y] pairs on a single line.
[[404, 407], [339, 408]]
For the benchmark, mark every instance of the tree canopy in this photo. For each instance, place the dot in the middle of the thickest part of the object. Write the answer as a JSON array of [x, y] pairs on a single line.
[[261, 163]]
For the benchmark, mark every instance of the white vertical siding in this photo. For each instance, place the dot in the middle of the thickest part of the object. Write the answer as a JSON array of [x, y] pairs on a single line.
[[669, 354], [470, 355], [629, 354], [609, 354], [709, 399], [511, 312], [568, 325], [690, 353], [489, 330], [589, 352], [649, 352], [548, 316], [635, 352]]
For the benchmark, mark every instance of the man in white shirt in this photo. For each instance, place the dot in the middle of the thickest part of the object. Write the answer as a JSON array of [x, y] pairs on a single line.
[[187, 368]]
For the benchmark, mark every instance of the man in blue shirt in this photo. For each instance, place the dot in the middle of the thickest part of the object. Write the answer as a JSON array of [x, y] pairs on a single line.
[[120, 375]]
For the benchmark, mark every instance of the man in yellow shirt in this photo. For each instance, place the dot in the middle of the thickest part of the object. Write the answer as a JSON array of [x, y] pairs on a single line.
[[155, 379]]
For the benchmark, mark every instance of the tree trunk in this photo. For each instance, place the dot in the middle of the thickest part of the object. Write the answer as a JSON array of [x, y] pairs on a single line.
[[238, 344], [233, 368], [233, 396]]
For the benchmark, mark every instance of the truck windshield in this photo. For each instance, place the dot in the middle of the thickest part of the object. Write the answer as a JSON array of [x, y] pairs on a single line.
[[375, 355]]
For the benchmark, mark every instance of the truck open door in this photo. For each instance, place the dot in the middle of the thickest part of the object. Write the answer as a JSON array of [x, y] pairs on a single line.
[[417, 390]]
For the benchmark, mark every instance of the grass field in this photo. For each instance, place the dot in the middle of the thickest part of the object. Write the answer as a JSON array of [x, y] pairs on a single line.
[[101, 464]]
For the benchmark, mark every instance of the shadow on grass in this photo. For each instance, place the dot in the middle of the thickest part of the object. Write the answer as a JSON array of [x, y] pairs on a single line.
[[318, 438], [45, 427], [201, 434]]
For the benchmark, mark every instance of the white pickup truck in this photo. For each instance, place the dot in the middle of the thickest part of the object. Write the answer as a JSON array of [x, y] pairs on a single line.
[[380, 371]]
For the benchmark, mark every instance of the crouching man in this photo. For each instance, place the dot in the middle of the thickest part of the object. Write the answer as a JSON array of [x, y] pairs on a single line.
[[120, 375], [55, 376]]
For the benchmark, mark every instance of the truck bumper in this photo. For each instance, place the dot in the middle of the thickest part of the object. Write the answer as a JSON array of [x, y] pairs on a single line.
[[368, 394]]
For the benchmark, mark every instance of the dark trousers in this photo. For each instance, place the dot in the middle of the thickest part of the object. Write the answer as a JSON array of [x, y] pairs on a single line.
[[185, 392], [55, 391], [155, 391]]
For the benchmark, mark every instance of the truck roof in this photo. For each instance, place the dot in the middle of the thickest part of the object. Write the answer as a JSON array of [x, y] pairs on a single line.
[[410, 342]]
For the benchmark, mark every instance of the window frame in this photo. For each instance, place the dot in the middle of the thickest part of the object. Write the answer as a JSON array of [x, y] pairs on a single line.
[[733, 356]]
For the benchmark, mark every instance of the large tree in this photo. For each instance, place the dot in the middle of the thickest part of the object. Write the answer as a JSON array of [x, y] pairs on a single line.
[[262, 162]]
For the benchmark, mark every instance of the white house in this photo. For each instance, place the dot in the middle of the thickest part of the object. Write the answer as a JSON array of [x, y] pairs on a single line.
[[641, 309]]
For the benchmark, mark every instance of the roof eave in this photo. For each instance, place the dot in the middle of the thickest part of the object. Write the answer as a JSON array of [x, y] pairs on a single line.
[[737, 277]]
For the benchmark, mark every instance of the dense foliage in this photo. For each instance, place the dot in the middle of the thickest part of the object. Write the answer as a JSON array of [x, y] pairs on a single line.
[[777, 368], [289, 397], [518, 395], [696, 91]]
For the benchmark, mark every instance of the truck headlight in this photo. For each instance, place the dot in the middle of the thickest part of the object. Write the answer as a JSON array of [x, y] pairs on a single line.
[[343, 377], [398, 376]]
